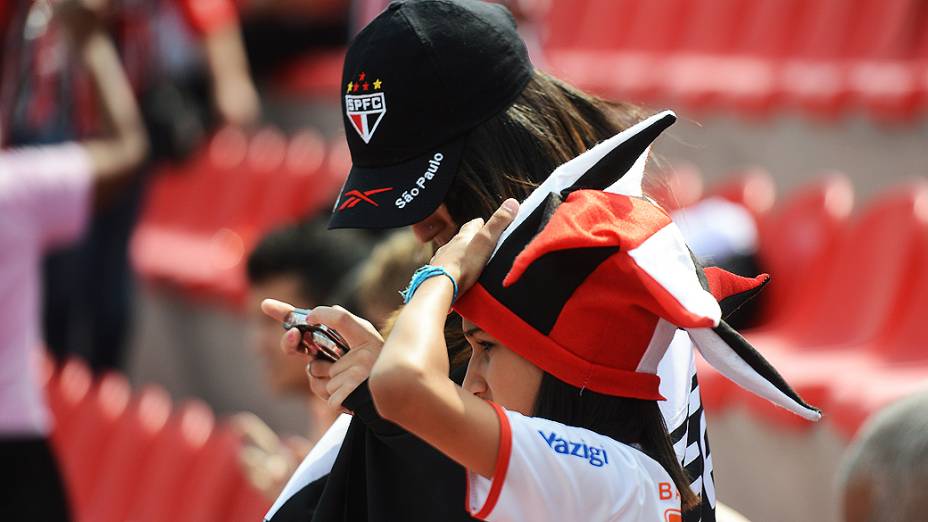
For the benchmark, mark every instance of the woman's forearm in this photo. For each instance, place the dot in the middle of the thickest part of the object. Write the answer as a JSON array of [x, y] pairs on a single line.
[[125, 145], [414, 355]]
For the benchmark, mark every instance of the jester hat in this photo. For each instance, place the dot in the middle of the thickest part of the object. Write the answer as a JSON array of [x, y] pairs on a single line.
[[591, 281]]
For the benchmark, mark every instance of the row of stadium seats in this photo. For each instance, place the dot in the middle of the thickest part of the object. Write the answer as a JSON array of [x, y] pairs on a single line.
[[822, 56], [129, 455], [201, 218], [755, 57], [846, 305]]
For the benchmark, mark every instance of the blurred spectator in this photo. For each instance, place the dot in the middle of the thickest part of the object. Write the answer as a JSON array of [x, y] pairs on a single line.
[[87, 290], [385, 273], [719, 233], [724, 234], [46, 194], [884, 473], [308, 265]]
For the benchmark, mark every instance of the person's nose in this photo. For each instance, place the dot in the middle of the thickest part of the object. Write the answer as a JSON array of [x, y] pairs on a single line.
[[473, 380]]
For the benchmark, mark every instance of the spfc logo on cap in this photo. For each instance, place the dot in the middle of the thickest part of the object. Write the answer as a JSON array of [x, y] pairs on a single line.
[[365, 105]]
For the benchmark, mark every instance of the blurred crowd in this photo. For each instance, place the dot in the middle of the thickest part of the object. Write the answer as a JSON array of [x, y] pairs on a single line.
[[96, 96]]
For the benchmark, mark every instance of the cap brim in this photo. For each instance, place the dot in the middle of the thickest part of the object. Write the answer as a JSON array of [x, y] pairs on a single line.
[[397, 195]]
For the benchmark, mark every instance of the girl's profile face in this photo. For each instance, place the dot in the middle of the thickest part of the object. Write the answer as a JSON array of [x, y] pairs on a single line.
[[498, 374]]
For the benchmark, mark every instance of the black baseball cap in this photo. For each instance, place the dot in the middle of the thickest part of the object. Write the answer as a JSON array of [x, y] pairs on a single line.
[[416, 80]]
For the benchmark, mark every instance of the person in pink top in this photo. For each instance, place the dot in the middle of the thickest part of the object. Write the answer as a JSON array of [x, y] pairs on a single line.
[[46, 196]]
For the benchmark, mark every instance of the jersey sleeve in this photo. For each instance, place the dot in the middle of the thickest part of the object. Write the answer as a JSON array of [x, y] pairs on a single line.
[[48, 190], [548, 471]]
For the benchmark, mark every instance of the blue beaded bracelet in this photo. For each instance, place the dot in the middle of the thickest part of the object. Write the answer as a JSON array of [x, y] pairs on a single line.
[[423, 273]]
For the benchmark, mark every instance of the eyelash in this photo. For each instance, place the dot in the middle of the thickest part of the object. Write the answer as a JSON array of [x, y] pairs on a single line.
[[486, 345]]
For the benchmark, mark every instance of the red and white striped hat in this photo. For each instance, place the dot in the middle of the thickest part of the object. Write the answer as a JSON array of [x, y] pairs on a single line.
[[592, 279]]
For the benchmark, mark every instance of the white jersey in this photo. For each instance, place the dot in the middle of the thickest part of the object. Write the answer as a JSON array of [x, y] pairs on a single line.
[[682, 412], [548, 471]]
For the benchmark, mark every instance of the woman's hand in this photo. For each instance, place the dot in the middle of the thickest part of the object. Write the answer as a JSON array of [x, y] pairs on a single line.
[[465, 256], [332, 382], [267, 460]]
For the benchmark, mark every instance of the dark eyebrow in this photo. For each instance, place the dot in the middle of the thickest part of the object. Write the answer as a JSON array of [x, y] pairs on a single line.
[[472, 331]]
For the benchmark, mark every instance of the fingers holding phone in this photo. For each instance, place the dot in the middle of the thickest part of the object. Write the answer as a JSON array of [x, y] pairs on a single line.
[[348, 373], [317, 340], [319, 373], [343, 347], [354, 366]]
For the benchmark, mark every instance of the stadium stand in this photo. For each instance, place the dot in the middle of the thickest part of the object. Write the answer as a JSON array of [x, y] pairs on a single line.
[[130, 456], [256, 182], [820, 57], [856, 310]]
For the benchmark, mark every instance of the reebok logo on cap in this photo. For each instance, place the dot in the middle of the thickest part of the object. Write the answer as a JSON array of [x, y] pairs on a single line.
[[353, 197], [365, 108]]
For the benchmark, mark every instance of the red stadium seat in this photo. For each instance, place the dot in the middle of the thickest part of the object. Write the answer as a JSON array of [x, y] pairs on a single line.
[[866, 274], [318, 74], [796, 244], [675, 188], [84, 446], [883, 74], [213, 482], [198, 228], [897, 362], [751, 188], [247, 505], [869, 290], [858, 52], [753, 55], [162, 481], [854, 402], [67, 390], [752, 75], [127, 453], [623, 61], [239, 201], [712, 33], [224, 168], [813, 76], [314, 179], [855, 395], [301, 186]]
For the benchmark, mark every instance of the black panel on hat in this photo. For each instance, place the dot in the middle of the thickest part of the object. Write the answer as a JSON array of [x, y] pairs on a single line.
[[620, 159], [541, 293]]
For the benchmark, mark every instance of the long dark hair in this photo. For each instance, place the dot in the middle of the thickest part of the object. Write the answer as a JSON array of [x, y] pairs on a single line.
[[630, 421], [513, 152]]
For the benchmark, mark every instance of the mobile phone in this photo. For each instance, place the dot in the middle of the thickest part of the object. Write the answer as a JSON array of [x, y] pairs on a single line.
[[318, 340]]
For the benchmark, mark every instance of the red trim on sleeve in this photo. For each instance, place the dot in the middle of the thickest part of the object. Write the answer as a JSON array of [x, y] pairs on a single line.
[[502, 465]]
